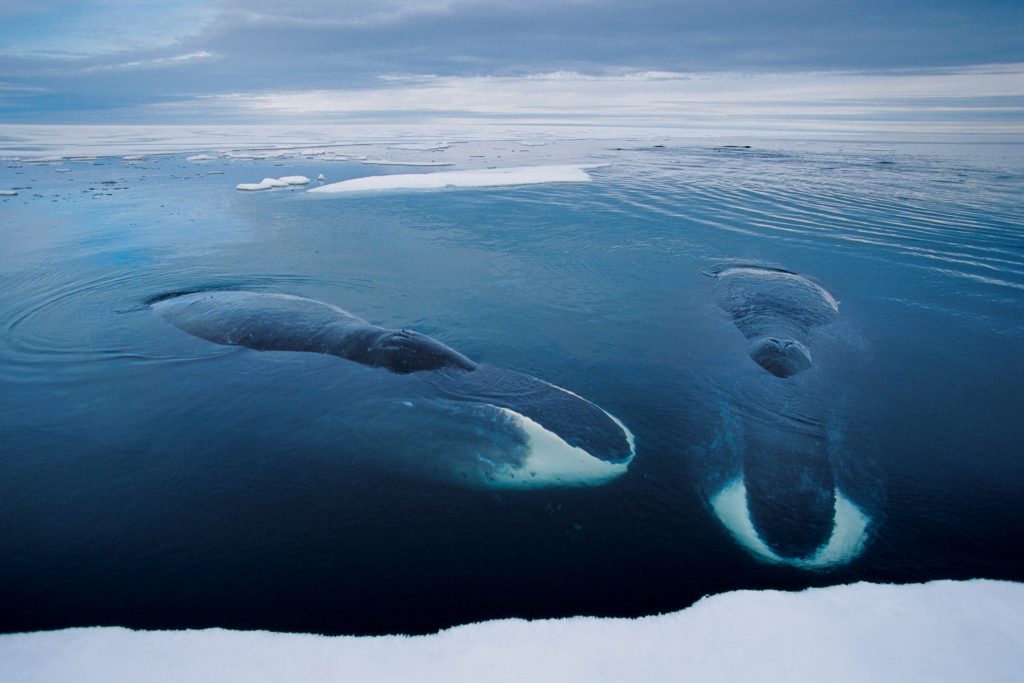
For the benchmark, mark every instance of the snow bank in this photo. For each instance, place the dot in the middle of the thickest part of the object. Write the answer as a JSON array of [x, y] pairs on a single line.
[[940, 631], [489, 177], [268, 183]]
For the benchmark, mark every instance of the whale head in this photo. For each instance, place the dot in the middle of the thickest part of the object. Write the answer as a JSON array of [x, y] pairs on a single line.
[[405, 351], [781, 357]]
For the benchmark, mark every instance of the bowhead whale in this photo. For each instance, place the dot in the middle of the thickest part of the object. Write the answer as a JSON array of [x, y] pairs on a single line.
[[551, 435], [775, 309], [785, 506]]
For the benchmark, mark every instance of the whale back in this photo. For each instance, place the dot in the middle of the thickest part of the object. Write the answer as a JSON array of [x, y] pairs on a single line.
[[764, 301], [282, 322]]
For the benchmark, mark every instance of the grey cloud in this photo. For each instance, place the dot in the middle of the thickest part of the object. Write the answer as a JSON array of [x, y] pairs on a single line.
[[263, 45]]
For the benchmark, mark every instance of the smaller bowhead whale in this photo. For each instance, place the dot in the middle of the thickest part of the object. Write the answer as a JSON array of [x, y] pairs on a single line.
[[775, 310], [554, 437]]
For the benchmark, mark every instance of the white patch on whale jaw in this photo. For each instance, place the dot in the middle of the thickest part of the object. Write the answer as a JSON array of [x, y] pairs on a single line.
[[551, 461], [849, 531]]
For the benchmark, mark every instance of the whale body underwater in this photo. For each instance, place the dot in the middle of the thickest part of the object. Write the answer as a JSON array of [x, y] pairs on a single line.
[[549, 436], [785, 506]]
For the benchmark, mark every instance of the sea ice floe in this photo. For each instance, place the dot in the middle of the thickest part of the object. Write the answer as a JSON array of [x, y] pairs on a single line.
[[938, 631], [270, 183], [489, 177], [7, 193], [200, 157], [134, 157]]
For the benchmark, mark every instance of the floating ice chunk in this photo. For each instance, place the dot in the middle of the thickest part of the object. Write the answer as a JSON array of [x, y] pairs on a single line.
[[45, 160], [270, 183], [532, 143], [200, 157], [422, 148], [134, 157], [62, 170], [385, 162], [265, 184], [321, 177], [8, 193], [490, 177]]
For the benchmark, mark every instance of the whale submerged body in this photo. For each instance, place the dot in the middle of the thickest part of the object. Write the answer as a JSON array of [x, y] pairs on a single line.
[[538, 434], [785, 507]]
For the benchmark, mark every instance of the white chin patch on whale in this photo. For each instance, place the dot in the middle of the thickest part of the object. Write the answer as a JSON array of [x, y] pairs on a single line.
[[849, 530], [551, 461]]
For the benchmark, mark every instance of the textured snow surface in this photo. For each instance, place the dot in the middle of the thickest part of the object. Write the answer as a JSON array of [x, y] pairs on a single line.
[[488, 177], [939, 631]]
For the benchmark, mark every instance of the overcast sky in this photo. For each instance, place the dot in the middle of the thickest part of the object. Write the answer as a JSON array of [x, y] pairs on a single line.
[[916, 61]]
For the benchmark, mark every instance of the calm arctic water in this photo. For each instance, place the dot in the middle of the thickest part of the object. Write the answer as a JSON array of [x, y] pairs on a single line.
[[152, 479]]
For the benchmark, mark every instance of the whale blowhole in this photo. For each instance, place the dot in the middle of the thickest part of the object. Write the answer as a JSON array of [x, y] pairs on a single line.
[[781, 357]]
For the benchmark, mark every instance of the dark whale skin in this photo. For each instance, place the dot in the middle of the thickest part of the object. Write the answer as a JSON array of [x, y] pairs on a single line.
[[281, 322]]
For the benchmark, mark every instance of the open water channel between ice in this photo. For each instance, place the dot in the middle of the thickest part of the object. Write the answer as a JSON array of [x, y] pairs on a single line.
[[156, 479]]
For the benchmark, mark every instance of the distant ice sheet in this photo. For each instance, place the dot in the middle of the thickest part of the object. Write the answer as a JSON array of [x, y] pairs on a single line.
[[386, 162], [489, 177], [939, 631]]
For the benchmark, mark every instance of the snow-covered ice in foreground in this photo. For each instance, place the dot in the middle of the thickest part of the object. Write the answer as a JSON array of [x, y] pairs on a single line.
[[488, 177], [200, 157], [269, 183], [939, 631]]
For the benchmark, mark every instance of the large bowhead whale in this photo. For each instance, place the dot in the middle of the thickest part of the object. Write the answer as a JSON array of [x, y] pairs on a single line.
[[775, 310], [553, 436], [785, 505]]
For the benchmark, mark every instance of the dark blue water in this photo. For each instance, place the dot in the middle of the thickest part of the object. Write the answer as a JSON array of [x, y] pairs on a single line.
[[152, 479]]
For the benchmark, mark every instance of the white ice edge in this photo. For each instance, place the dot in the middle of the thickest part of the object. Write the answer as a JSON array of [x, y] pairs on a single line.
[[937, 631], [488, 177], [846, 541]]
